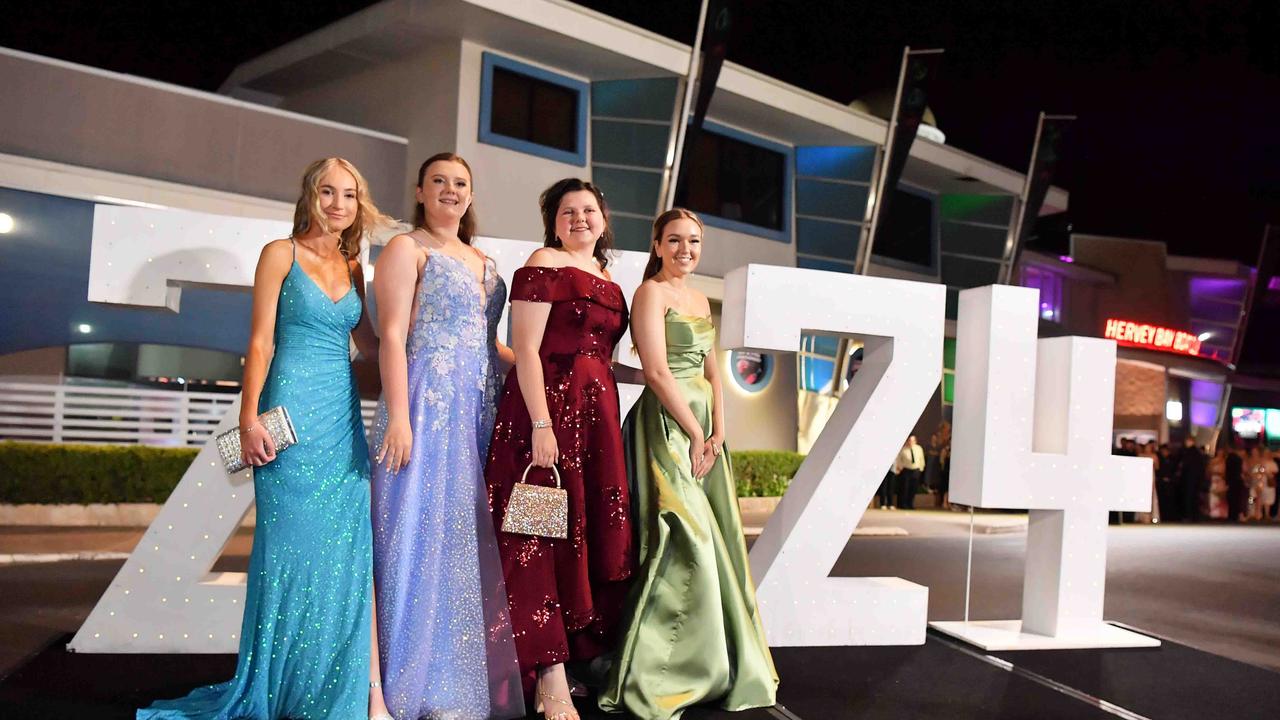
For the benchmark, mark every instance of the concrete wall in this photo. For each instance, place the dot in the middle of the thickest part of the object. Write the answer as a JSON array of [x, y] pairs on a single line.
[[90, 118], [507, 182], [415, 97], [725, 250], [765, 420], [1141, 291]]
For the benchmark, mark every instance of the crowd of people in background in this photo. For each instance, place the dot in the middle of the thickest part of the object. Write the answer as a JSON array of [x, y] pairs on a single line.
[[1236, 484], [918, 469]]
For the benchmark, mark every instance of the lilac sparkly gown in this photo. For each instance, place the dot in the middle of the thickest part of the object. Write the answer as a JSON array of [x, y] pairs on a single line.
[[443, 629]]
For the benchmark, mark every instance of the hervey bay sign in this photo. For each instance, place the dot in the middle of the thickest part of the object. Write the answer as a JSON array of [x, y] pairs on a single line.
[[1151, 337]]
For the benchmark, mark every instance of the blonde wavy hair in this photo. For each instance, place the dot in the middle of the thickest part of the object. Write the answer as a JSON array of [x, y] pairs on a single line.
[[309, 211]]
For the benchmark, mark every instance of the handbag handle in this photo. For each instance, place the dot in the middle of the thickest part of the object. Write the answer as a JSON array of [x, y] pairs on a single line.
[[554, 473]]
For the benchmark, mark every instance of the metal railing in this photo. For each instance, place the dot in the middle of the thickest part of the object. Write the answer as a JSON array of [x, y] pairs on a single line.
[[47, 412]]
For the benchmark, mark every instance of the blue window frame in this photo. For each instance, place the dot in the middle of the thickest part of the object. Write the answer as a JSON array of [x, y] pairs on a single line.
[[726, 179], [533, 111]]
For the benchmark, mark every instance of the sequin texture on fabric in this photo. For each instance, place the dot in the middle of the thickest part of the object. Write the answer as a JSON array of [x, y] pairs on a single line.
[[565, 595], [443, 629], [304, 639]]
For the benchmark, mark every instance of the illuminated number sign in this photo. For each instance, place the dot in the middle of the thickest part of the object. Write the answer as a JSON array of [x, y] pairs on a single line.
[[1151, 337]]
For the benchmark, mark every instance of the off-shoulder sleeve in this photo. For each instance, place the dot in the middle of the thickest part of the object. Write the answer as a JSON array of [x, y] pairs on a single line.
[[535, 284]]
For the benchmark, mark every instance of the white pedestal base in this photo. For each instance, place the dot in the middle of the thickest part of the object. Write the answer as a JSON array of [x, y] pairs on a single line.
[[997, 635]]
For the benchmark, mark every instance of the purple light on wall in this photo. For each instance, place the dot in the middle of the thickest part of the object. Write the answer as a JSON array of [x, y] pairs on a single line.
[[1206, 390], [1205, 396], [1274, 283], [1203, 414], [1223, 288], [1066, 258], [1050, 286]]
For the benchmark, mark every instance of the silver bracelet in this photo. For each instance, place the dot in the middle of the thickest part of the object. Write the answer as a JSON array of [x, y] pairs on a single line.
[[539, 424]]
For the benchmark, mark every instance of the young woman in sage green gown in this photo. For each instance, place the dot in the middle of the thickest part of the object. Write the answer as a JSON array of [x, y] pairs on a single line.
[[691, 632]]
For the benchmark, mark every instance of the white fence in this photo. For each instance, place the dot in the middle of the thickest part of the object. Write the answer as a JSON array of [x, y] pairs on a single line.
[[44, 412]]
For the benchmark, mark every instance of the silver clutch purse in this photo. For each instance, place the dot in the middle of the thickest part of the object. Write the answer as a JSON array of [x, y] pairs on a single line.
[[279, 426], [537, 510]]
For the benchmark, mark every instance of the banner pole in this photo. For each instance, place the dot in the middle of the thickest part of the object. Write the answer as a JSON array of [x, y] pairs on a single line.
[[863, 263], [968, 568], [670, 176]]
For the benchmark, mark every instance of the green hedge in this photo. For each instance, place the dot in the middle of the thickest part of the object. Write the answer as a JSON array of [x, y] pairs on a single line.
[[764, 473], [81, 474]]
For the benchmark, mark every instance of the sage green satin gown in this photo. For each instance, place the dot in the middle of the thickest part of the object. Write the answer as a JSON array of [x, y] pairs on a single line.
[[691, 632]]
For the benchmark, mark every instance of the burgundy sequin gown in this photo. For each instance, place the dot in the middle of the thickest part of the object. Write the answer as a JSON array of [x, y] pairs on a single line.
[[565, 596]]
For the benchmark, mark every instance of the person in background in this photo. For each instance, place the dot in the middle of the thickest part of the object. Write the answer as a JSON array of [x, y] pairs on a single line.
[[1124, 449], [1262, 491], [1164, 485], [1237, 492], [887, 487], [1218, 485], [1275, 477], [910, 466], [1191, 474], [1149, 451]]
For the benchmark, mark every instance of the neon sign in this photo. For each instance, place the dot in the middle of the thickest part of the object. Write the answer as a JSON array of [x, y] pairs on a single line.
[[1152, 337]]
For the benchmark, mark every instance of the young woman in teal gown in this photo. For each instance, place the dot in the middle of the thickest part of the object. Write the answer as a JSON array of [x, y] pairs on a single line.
[[305, 637], [691, 633]]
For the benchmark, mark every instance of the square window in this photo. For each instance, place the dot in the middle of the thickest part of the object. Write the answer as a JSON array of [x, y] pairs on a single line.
[[738, 182], [534, 111], [909, 235]]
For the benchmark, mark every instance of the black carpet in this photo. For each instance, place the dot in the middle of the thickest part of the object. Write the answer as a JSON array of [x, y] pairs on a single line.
[[1172, 682], [934, 680]]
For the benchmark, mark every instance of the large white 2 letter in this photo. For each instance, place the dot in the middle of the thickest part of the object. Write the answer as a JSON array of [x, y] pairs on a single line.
[[767, 307]]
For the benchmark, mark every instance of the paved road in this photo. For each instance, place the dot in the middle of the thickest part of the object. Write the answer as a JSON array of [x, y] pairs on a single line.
[[1214, 587]]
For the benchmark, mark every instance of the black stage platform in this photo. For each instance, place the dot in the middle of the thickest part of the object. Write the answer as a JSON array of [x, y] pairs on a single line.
[[940, 679]]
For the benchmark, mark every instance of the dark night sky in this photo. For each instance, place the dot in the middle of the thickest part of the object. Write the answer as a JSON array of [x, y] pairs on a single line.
[[1179, 100]]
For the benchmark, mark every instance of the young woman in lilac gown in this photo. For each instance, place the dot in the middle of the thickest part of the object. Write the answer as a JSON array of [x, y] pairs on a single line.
[[441, 606], [305, 635]]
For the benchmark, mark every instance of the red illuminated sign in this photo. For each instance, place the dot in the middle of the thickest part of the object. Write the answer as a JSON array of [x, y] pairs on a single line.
[[1152, 337]]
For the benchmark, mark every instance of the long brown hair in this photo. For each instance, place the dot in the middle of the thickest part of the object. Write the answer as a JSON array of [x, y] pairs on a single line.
[[549, 202], [308, 209], [467, 225], [659, 224]]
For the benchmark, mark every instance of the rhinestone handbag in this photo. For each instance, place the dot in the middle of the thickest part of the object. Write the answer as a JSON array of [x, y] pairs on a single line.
[[279, 426], [537, 510]]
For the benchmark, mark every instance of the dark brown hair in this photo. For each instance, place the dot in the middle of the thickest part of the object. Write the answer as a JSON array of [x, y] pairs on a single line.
[[467, 225], [549, 202], [660, 224]]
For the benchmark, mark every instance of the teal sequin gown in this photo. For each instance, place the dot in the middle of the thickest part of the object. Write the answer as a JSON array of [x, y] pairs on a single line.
[[304, 640]]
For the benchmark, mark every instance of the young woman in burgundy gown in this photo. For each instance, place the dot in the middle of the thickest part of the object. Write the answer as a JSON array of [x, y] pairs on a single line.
[[560, 406]]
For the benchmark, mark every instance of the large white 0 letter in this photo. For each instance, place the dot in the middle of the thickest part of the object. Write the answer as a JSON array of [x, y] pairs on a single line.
[[1033, 430], [767, 307]]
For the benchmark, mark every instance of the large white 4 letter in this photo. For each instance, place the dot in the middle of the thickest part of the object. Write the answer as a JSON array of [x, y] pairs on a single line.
[[1033, 430], [766, 308]]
